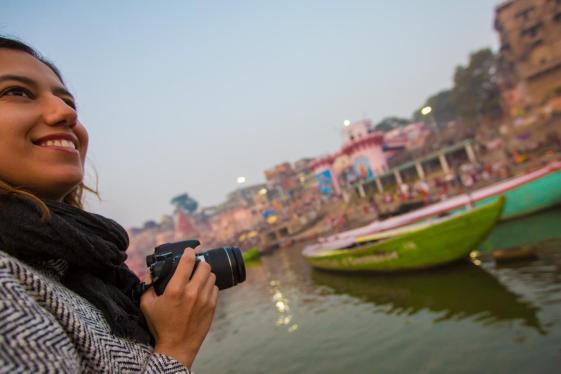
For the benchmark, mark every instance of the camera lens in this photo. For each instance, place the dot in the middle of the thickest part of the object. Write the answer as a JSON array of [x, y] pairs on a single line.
[[227, 264]]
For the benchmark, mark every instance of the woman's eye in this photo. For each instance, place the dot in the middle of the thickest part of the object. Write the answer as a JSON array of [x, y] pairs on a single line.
[[71, 104], [17, 91]]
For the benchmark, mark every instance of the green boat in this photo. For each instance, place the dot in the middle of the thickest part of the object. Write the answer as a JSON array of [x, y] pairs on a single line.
[[525, 194], [251, 254], [414, 247]]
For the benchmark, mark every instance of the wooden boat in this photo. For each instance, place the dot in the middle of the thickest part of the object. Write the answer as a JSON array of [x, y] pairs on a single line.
[[420, 246], [524, 194], [251, 254]]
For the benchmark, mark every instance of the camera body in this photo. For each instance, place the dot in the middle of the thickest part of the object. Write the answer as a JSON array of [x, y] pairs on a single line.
[[225, 262]]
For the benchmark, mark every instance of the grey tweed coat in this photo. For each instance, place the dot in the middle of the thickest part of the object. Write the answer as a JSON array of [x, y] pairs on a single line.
[[47, 328]]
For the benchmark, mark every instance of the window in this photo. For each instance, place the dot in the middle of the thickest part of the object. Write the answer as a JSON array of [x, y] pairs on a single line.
[[531, 32], [537, 43], [524, 15]]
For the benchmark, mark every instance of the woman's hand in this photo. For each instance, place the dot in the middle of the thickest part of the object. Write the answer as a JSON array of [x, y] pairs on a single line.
[[180, 318]]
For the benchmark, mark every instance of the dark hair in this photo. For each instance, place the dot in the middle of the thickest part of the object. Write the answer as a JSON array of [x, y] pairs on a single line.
[[73, 198]]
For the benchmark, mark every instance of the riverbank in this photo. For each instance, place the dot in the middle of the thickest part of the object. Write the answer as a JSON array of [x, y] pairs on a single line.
[[462, 319]]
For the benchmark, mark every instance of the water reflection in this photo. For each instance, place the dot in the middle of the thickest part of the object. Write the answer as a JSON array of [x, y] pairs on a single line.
[[528, 230], [288, 318], [538, 280], [282, 307], [456, 292]]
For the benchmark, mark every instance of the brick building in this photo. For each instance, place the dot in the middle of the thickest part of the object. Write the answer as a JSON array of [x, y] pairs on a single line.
[[530, 51]]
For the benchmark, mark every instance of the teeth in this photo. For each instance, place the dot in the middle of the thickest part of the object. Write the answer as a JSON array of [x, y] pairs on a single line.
[[59, 143]]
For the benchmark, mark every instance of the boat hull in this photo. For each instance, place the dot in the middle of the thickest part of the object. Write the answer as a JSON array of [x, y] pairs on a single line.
[[532, 197], [251, 254], [444, 242]]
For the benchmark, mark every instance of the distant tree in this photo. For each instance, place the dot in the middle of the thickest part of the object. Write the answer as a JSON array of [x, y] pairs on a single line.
[[390, 123], [185, 203], [475, 91], [150, 224], [443, 107]]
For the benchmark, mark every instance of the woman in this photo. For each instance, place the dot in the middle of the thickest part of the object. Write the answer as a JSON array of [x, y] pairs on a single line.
[[66, 296]]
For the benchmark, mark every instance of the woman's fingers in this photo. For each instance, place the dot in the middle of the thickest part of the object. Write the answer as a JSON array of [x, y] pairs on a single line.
[[210, 282], [202, 272], [180, 319], [214, 294], [199, 278], [182, 273], [207, 285]]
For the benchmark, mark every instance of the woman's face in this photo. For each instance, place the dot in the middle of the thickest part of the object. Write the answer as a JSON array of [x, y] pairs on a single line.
[[42, 144]]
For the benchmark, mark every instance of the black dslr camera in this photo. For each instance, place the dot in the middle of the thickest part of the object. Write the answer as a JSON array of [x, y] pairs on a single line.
[[226, 263]]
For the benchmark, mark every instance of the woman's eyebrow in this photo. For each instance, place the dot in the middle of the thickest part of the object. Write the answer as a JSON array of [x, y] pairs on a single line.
[[19, 78], [61, 91]]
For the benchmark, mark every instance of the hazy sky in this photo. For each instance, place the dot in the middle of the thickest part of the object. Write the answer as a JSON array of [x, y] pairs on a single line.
[[185, 96]]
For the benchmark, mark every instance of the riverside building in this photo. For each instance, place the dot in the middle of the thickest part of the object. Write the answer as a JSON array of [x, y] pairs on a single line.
[[360, 158], [530, 52]]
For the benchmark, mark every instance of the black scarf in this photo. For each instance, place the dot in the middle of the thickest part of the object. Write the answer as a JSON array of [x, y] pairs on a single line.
[[93, 248]]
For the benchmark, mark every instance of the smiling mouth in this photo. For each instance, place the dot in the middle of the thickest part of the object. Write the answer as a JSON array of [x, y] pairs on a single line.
[[62, 143]]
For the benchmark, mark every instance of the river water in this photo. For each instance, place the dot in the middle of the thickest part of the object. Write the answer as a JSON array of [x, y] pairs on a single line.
[[464, 318]]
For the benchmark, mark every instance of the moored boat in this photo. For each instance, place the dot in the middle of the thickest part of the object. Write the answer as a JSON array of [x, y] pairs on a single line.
[[420, 246], [524, 194], [251, 254]]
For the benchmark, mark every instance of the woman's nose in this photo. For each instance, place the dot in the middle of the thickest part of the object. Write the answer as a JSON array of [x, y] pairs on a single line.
[[57, 112]]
